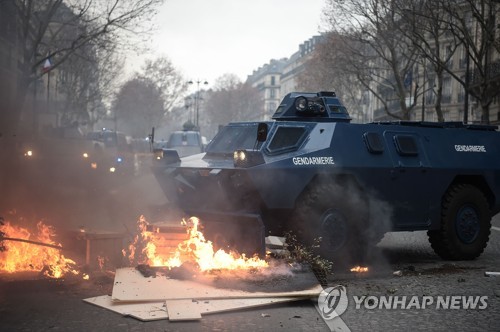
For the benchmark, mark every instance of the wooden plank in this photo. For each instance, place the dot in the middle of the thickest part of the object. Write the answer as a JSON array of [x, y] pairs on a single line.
[[183, 310], [171, 236], [130, 285], [166, 228], [102, 235], [168, 242], [144, 311]]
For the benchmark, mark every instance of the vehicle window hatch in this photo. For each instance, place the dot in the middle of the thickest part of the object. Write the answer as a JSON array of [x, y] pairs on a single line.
[[286, 138]]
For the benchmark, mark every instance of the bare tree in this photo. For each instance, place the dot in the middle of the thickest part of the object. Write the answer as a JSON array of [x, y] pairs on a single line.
[[88, 80], [442, 28], [429, 31], [375, 52], [167, 80], [146, 100], [227, 81], [474, 24], [325, 72], [138, 107], [56, 29], [229, 101]]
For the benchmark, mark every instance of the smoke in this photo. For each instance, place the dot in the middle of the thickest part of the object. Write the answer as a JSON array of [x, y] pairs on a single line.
[[58, 185], [359, 215], [370, 214], [380, 223], [278, 277]]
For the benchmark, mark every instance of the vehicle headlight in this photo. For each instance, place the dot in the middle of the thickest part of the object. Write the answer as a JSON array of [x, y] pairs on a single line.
[[240, 155], [167, 156], [301, 104], [247, 158], [158, 154]]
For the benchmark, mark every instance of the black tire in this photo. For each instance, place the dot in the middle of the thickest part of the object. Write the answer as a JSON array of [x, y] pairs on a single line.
[[465, 224], [338, 214]]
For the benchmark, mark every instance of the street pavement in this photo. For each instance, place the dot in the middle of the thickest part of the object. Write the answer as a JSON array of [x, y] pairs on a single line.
[[29, 302]]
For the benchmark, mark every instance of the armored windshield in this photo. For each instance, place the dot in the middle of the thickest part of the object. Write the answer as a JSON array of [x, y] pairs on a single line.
[[183, 138], [234, 137]]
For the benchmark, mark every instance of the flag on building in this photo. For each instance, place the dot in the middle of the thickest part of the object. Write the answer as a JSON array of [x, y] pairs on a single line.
[[46, 65]]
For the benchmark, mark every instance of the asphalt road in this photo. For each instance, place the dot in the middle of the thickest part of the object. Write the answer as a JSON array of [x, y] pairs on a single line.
[[29, 302]]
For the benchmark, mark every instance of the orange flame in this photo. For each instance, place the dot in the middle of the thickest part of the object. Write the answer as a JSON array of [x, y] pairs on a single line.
[[101, 261], [23, 256], [195, 249], [359, 269]]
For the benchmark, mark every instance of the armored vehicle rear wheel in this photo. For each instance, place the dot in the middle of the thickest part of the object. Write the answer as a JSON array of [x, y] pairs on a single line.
[[465, 224], [336, 213]]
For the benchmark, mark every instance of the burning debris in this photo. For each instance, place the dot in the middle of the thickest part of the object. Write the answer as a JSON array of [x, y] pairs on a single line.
[[173, 252], [24, 251], [195, 249], [359, 269], [193, 279]]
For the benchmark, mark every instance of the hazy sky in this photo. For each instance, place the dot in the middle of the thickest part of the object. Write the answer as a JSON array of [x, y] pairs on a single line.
[[205, 39]]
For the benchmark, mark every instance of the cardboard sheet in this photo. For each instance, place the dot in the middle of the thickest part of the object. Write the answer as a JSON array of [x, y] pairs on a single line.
[[145, 311], [188, 309], [223, 305], [183, 310]]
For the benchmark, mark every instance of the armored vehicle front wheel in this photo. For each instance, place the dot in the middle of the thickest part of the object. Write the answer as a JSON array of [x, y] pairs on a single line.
[[337, 214], [465, 224]]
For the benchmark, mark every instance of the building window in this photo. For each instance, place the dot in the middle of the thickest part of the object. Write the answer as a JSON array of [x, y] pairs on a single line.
[[271, 107], [273, 80], [272, 93], [461, 96], [448, 55], [463, 58], [446, 90], [429, 97]]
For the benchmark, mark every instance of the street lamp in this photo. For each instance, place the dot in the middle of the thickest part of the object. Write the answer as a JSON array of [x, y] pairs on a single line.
[[466, 87], [197, 99]]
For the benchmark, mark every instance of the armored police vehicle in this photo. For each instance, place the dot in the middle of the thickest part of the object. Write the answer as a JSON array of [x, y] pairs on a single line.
[[311, 171]]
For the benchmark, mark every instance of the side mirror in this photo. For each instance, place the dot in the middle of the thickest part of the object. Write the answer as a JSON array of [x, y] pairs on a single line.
[[262, 132]]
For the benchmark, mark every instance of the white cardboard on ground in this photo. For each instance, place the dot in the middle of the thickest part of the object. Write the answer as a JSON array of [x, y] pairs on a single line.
[[222, 305], [183, 310], [148, 311], [145, 311], [131, 285]]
